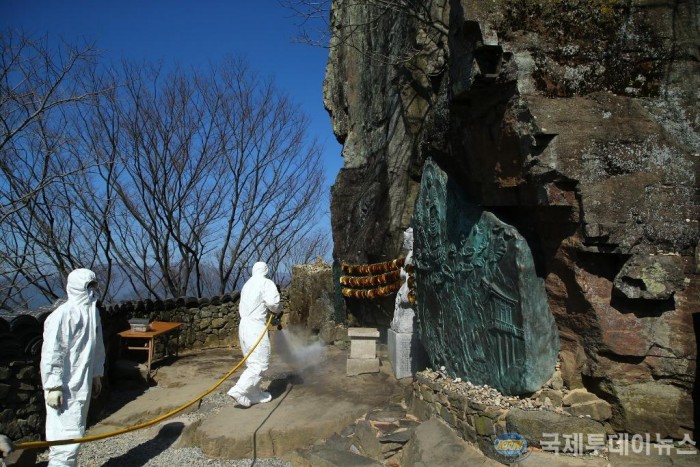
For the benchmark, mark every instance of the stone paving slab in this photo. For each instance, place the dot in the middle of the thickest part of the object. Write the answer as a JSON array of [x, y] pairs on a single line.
[[179, 382], [308, 403], [304, 408]]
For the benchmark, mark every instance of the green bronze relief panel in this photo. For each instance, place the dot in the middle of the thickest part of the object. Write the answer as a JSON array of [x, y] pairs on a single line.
[[481, 310]]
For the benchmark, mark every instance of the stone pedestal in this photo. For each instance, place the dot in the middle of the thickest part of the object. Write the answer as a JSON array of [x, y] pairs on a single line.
[[358, 366], [363, 351], [402, 352]]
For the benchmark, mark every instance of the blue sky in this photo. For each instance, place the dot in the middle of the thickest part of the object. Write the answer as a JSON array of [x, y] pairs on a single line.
[[192, 33]]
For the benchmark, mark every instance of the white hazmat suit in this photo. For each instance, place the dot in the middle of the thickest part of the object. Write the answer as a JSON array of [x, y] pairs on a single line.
[[6, 446], [72, 362], [258, 295]]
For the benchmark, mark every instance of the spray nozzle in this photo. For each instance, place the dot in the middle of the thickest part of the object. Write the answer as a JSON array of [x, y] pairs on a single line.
[[277, 321]]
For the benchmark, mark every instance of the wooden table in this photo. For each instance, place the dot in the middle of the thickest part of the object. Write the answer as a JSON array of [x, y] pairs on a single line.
[[158, 328]]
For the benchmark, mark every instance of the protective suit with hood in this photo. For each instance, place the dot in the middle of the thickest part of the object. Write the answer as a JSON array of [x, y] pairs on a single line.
[[258, 295], [72, 362]]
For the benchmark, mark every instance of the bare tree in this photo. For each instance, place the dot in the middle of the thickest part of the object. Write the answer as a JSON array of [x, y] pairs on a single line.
[[205, 171], [277, 174], [39, 91], [168, 184], [311, 248], [348, 21], [38, 88]]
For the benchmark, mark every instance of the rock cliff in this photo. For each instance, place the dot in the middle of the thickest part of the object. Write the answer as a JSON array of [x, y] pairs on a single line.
[[576, 122]]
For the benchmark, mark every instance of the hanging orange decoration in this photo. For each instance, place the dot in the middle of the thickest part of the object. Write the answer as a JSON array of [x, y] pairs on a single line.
[[375, 268], [372, 293], [370, 281]]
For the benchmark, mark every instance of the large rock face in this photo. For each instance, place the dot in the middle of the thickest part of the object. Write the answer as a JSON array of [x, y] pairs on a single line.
[[576, 122]]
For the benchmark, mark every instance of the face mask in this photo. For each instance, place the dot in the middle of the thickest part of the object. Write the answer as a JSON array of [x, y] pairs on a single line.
[[92, 293]]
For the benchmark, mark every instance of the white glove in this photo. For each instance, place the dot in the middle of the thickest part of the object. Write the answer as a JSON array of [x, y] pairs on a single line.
[[54, 398], [96, 387], [6, 446]]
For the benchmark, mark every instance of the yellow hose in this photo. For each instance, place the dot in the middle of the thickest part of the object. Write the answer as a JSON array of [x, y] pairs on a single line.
[[87, 439]]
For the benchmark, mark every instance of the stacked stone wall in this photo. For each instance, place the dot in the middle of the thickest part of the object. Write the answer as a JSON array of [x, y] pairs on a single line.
[[206, 322], [21, 400], [479, 413], [553, 419]]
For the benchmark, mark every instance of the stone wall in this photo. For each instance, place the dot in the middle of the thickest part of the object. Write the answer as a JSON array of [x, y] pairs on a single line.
[[480, 413], [207, 322], [21, 400]]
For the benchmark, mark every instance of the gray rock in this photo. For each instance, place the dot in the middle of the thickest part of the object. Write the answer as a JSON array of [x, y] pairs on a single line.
[[556, 382], [366, 437], [435, 443], [650, 277], [408, 423], [554, 396], [533, 424], [597, 410], [582, 402], [322, 456], [654, 407], [338, 442], [399, 436], [578, 396], [389, 449], [388, 414], [311, 304], [348, 431]]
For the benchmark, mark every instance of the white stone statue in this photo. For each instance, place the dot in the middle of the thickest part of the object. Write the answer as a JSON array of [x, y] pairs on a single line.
[[402, 322]]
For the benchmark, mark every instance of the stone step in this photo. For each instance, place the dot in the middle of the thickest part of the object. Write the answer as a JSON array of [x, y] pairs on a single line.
[[435, 443], [324, 456]]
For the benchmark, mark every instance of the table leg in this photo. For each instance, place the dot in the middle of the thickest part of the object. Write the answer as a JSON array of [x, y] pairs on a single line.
[[151, 345]]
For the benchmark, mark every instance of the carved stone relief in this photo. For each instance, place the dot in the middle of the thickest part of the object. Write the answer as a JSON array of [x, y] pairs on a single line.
[[482, 311]]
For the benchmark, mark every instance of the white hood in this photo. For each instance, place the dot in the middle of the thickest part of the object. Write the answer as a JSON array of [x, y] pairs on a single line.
[[76, 288], [260, 269]]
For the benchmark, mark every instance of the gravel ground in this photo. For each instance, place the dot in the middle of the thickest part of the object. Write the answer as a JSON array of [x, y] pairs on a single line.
[[155, 446]]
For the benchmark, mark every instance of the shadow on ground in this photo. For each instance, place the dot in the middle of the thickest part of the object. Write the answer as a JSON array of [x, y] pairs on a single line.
[[141, 454], [144, 452]]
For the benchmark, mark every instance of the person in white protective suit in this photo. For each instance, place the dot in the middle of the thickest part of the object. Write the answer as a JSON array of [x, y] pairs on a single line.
[[258, 295], [72, 363], [6, 446]]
